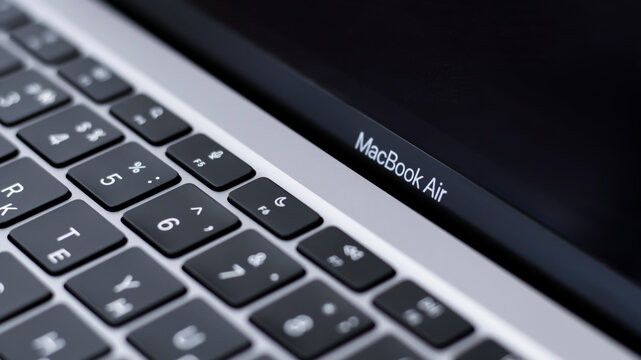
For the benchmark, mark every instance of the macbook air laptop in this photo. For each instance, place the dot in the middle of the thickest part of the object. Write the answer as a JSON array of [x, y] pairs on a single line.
[[187, 179]]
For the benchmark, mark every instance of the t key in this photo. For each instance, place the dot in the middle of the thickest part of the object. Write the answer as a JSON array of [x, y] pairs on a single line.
[[274, 208], [25, 189], [123, 176], [66, 237], [180, 220]]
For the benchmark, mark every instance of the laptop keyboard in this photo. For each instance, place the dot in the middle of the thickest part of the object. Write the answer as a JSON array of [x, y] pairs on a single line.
[[309, 321]]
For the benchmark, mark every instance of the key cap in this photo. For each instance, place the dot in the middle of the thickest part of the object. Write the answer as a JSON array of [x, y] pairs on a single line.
[[69, 136], [44, 43], [243, 268], [488, 350], [26, 94], [66, 237], [209, 162], [7, 150], [193, 331], [26, 189], [125, 286], [56, 334], [346, 259], [123, 176], [19, 289], [311, 320], [94, 80], [8, 62], [10, 16], [386, 348], [180, 220], [423, 314], [274, 208], [150, 120]]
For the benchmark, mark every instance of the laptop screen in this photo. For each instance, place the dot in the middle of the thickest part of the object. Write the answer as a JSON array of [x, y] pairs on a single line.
[[537, 102]]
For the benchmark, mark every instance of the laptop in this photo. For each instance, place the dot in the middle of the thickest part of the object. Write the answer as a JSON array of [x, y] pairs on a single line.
[[198, 180]]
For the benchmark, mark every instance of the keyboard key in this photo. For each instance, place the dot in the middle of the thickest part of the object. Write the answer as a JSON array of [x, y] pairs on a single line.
[[274, 208], [25, 189], [44, 43], [209, 162], [69, 136], [10, 16], [123, 176], [193, 331], [26, 94], [150, 120], [55, 334], [423, 314], [19, 289], [66, 237], [488, 350], [346, 259], [312, 320], [243, 268], [125, 286], [7, 150], [94, 80], [8, 62], [180, 220], [386, 348]]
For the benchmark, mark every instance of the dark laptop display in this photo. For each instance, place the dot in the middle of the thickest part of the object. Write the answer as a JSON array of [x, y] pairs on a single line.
[[536, 103]]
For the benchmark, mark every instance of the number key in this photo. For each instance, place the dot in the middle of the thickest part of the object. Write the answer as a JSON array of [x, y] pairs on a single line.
[[180, 220], [123, 176], [27, 94], [70, 135], [7, 150]]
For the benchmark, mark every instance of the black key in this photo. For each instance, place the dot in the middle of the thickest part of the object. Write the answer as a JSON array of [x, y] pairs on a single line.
[[8, 62], [180, 220], [26, 94], [243, 268], [19, 289], [7, 150], [274, 208], [94, 80], [25, 189], [44, 43], [312, 320], [346, 259], [70, 135], [66, 237], [193, 331], [387, 348], [123, 176], [56, 334], [209, 162], [423, 314], [125, 286], [150, 120], [488, 350], [10, 16]]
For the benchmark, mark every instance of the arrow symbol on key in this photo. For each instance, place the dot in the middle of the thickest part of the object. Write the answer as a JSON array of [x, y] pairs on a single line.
[[198, 210], [237, 271]]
